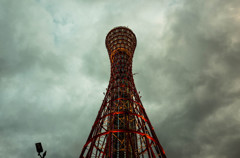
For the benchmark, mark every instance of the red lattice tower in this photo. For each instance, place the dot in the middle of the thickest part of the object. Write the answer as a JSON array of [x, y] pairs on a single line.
[[122, 128]]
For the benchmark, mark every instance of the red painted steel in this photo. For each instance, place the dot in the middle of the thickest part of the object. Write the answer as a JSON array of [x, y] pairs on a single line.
[[122, 128]]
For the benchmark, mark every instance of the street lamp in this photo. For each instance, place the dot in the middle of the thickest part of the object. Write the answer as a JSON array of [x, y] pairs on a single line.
[[40, 149]]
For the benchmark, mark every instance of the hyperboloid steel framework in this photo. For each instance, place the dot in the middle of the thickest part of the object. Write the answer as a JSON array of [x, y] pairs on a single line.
[[122, 128]]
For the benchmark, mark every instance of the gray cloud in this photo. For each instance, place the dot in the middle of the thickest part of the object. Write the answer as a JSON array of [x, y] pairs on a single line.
[[198, 72], [54, 68]]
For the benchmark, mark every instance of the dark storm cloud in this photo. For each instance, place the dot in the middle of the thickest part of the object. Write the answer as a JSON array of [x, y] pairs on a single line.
[[54, 68], [200, 70]]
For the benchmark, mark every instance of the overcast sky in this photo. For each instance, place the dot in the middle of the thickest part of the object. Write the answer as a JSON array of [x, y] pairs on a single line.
[[54, 68]]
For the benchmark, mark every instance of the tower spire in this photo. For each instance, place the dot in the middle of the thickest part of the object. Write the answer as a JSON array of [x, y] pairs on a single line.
[[122, 128]]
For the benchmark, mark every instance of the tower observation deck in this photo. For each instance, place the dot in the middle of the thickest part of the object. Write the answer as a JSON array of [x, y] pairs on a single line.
[[122, 128]]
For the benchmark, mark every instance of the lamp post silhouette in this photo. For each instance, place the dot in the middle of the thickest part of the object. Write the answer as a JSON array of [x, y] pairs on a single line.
[[40, 150]]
